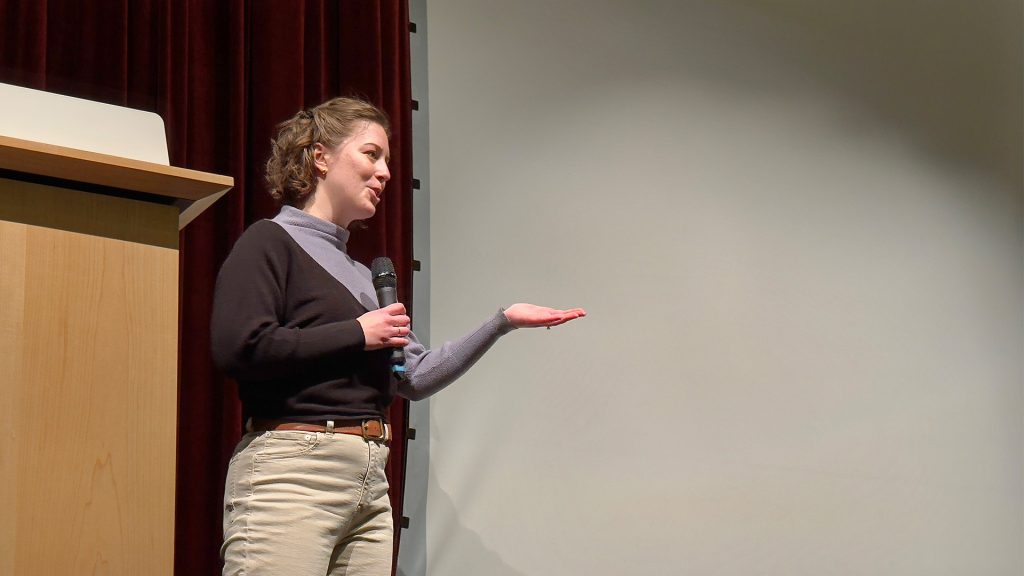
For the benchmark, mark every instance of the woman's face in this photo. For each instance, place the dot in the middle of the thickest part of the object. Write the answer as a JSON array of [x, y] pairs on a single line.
[[357, 170]]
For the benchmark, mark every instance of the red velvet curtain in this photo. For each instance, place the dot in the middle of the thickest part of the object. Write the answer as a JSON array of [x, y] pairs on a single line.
[[222, 73]]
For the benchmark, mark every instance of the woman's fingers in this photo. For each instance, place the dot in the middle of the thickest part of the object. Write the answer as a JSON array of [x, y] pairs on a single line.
[[561, 321], [397, 321], [386, 327]]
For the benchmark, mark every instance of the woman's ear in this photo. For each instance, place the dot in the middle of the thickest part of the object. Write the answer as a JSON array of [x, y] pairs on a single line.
[[320, 156]]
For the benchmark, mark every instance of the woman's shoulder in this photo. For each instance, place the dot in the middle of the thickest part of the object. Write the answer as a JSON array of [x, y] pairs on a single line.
[[263, 233], [264, 227], [263, 240]]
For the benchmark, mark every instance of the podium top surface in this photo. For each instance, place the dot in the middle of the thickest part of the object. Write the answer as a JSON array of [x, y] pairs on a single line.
[[73, 165]]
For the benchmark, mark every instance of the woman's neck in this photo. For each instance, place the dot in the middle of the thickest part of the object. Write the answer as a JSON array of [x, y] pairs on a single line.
[[319, 206]]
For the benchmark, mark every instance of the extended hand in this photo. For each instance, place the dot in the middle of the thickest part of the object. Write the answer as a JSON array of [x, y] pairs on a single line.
[[530, 316], [386, 327]]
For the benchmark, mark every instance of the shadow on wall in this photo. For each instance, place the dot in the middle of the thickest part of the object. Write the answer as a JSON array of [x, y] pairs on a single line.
[[947, 72], [467, 552]]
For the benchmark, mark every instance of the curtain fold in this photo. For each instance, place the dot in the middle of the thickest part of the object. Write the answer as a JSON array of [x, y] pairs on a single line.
[[222, 74]]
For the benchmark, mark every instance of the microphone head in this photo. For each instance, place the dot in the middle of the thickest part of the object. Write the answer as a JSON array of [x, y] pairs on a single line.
[[383, 273]]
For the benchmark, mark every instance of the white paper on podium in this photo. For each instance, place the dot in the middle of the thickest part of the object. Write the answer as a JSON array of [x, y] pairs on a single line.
[[82, 124]]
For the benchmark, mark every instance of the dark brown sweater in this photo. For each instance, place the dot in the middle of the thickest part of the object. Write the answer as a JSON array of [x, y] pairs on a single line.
[[286, 330]]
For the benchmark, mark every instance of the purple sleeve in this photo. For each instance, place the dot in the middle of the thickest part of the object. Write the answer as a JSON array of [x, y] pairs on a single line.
[[429, 371]]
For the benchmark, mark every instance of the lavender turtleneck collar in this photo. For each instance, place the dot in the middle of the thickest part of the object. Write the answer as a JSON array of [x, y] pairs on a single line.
[[327, 244]]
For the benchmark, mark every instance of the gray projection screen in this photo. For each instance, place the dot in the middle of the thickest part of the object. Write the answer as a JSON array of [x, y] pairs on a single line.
[[797, 231]]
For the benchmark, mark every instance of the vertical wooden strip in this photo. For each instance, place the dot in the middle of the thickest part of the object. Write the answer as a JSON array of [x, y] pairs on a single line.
[[12, 295]]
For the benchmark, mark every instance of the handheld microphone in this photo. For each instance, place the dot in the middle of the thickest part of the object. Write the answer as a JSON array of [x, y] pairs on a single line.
[[385, 282]]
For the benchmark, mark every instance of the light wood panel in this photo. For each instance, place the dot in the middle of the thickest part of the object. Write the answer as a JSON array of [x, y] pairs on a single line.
[[88, 357], [88, 213]]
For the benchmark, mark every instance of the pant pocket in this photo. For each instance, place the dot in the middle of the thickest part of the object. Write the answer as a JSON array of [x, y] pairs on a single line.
[[281, 445]]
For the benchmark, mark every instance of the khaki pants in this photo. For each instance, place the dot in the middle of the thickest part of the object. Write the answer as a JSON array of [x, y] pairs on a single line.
[[307, 504]]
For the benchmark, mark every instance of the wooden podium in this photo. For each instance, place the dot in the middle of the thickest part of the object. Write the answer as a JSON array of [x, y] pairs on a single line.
[[88, 357]]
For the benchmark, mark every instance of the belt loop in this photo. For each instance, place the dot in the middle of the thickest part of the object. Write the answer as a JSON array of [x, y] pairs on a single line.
[[330, 427]]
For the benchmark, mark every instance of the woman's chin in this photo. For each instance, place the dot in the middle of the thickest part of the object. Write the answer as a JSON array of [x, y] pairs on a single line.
[[370, 207]]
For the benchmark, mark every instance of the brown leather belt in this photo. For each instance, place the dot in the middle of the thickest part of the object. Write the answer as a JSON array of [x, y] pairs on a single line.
[[368, 429]]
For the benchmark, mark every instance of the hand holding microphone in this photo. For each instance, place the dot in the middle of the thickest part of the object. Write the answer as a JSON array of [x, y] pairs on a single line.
[[390, 324], [387, 327]]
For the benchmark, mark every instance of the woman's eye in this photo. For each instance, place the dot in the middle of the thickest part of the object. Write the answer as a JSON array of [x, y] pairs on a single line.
[[373, 154]]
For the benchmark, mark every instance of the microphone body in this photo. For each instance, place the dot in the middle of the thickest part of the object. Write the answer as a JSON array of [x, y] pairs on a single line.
[[385, 282]]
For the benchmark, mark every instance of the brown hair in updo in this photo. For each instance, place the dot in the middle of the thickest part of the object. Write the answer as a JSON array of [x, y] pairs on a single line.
[[291, 173]]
